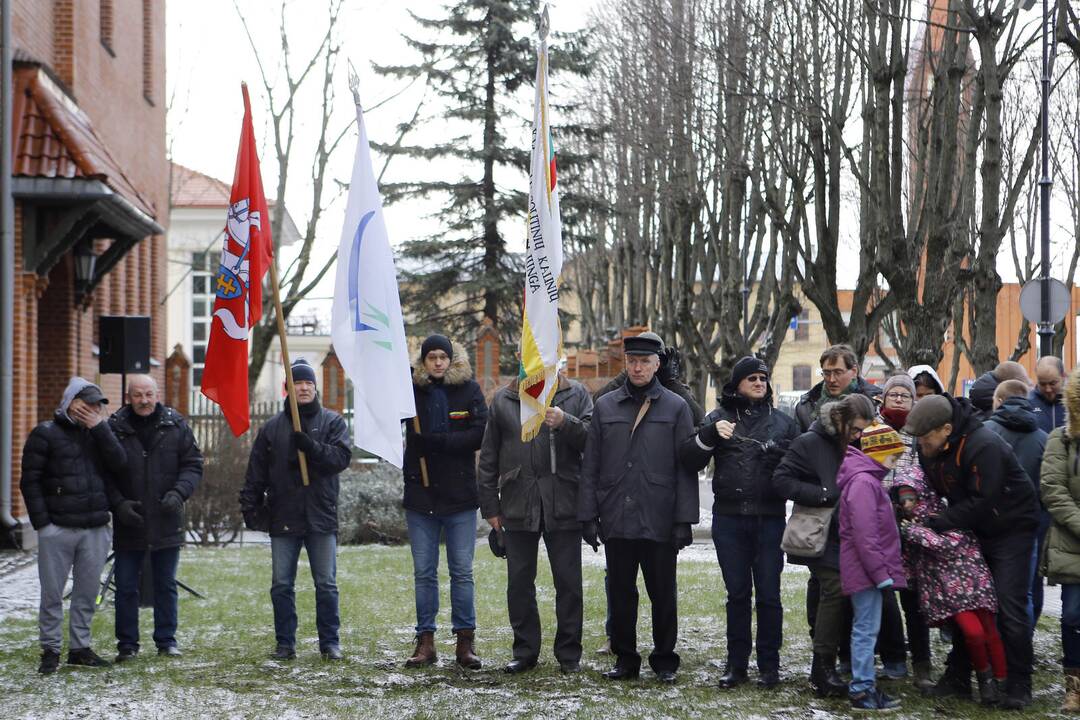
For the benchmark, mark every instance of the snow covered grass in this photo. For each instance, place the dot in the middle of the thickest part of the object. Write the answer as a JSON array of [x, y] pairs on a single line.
[[226, 673]]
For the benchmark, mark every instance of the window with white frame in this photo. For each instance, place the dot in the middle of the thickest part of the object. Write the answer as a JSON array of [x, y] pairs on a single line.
[[203, 268]]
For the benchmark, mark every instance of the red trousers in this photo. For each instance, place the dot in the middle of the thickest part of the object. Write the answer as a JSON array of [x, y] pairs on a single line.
[[983, 642]]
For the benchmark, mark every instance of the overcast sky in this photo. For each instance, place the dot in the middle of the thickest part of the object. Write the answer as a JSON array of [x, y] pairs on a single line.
[[209, 55]]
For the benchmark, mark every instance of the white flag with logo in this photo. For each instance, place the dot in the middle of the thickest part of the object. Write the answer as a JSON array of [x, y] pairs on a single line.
[[367, 330]]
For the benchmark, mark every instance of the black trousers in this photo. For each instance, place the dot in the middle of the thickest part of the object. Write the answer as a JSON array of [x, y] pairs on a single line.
[[657, 562], [564, 556], [1009, 558]]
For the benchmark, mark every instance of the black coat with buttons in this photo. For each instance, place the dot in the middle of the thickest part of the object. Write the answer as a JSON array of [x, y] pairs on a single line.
[[170, 461], [743, 464], [632, 480], [67, 473], [273, 475]]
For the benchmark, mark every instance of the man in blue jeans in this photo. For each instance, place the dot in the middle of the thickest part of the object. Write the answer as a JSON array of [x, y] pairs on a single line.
[[275, 500], [164, 466], [441, 493], [746, 437]]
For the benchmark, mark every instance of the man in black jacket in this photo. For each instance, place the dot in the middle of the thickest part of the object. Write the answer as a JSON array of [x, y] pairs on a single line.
[[840, 373], [275, 500], [164, 466], [67, 466], [990, 495], [1016, 422], [529, 489], [441, 495], [746, 437], [641, 501], [669, 375]]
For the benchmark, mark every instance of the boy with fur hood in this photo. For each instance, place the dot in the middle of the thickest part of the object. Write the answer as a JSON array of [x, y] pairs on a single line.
[[441, 493]]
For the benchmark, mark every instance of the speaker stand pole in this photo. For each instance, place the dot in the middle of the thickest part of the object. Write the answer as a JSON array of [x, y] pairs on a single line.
[[123, 386]]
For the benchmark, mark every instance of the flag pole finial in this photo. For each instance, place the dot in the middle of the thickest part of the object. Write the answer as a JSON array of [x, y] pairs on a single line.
[[354, 83], [545, 23]]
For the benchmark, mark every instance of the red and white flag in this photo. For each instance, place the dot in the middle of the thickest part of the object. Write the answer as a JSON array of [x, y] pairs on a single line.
[[246, 255]]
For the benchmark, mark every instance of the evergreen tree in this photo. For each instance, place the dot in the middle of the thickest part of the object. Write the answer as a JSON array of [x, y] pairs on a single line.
[[476, 58]]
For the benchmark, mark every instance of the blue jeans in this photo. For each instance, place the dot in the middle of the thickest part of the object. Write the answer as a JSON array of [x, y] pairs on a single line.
[[866, 605], [424, 533], [1070, 626], [128, 565], [748, 549], [322, 557]]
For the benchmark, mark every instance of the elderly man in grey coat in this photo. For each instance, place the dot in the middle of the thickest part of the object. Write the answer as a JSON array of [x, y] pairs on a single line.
[[529, 489], [641, 501]]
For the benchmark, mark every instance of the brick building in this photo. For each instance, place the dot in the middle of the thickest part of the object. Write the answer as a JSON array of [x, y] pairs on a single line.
[[90, 178]]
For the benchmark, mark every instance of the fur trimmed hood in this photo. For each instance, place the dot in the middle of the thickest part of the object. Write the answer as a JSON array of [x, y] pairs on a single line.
[[1072, 404], [460, 370]]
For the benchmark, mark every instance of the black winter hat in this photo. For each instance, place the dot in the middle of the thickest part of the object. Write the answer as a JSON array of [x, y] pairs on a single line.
[[641, 345], [437, 342], [747, 366], [302, 370]]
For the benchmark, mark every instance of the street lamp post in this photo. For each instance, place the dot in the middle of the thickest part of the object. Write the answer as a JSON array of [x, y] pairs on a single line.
[[1046, 327]]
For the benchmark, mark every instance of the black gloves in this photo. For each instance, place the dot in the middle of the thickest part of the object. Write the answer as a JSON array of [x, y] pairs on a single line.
[[495, 542], [670, 365], [172, 502], [681, 535], [938, 523], [129, 513], [257, 519], [302, 442], [590, 533]]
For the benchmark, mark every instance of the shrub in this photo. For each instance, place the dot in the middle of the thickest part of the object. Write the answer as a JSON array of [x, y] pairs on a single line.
[[369, 505]]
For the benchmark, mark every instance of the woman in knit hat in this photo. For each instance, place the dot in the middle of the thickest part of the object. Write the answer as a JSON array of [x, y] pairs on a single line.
[[870, 561]]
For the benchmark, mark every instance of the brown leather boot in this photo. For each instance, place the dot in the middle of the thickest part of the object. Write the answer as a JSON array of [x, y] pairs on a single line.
[[1072, 691], [466, 654], [425, 651]]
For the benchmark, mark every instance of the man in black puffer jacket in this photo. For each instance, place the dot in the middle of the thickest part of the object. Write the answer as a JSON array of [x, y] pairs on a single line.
[[164, 466], [274, 499], [746, 438], [441, 494], [67, 468], [991, 496]]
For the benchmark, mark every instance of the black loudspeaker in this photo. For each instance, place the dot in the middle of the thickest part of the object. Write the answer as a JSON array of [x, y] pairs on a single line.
[[124, 344]]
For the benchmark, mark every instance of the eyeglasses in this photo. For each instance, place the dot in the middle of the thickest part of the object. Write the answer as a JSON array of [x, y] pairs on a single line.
[[898, 396], [835, 373], [757, 378]]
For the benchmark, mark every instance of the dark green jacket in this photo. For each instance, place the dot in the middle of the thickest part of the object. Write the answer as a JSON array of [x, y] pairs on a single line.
[[515, 479], [1061, 497]]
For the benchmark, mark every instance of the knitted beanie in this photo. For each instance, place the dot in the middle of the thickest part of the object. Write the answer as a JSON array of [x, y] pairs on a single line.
[[881, 441]]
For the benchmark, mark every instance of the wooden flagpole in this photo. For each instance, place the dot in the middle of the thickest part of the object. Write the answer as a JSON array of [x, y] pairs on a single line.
[[294, 409]]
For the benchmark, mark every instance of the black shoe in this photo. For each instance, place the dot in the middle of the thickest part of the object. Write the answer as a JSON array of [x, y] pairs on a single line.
[[768, 679], [666, 676], [169, 651], [516, 666], [988, 687], [283, 652], [569, 668], [332, 652], [50, 662], [949, 686], [1017, 697], [621, 673], [126, 653], [824, 680], [85, 657], [732, 678]]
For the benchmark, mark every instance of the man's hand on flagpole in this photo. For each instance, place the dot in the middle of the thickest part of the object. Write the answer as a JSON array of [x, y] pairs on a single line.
[[554, 417]]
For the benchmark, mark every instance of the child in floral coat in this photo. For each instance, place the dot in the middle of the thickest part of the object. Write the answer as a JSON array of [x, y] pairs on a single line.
[[953, 579]]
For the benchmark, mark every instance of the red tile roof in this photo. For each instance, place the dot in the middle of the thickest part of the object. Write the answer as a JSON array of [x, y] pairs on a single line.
[[193, 189], [54, 138]]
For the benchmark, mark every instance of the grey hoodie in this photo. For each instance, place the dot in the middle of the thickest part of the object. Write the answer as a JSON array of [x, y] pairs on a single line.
[[75, 386]]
